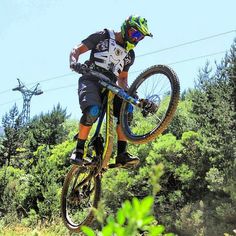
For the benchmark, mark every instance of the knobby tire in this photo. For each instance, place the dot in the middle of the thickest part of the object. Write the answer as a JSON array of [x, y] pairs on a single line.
[[167, 118], [90, 216]]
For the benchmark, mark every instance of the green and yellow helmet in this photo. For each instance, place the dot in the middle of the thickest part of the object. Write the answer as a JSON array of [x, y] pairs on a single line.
[[133, 30]]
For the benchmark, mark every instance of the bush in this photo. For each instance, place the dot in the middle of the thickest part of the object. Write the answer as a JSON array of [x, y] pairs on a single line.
[[133, 218]]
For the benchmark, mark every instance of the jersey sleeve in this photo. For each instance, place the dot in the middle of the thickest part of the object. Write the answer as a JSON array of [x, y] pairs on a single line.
[[129, 60], [92, 40]]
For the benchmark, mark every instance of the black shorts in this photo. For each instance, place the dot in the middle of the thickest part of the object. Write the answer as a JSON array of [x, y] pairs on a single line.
[[90, 94]]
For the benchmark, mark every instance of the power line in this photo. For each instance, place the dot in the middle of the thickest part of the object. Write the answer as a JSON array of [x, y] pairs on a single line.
[[45, 91], [149, 53], [132, 72], [52, 78], [5, 91], [15, 100], [41, 81], [185, 60], [195, 58], [153, 52], [186, 43], [62, 87]]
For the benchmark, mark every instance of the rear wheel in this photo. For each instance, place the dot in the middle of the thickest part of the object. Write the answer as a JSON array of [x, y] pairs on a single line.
[[80, 194], [159, 89]]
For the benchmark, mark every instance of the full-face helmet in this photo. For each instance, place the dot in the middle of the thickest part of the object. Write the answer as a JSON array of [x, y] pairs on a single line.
[[133, 30]]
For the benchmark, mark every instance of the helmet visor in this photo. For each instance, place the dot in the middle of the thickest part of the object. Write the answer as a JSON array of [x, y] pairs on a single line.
[[134, 35]]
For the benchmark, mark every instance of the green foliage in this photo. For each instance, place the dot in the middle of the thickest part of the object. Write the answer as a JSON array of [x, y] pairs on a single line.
[[13, 135], [37, 190], [157, 171], [183, 120], [191, 221], [190, 170], [31, 220], [47, 128], [131, 219], [48, 178], [116, 189], [213, 109], [15, 184], [215, 179]]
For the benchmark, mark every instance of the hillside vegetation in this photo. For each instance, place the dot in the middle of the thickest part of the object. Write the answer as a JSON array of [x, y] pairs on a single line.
[[198, 153]]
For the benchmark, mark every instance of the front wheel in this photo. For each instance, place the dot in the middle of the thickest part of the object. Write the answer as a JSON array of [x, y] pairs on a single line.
[[158, 87], [80, 194]]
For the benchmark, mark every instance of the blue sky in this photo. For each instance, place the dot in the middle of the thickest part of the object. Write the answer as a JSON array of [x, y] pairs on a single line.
[[36, 37]]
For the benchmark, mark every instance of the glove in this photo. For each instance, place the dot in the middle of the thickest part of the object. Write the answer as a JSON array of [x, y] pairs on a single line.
[[76, 67]]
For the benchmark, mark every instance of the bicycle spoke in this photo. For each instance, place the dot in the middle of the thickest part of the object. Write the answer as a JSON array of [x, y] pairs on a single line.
[[155, 85]]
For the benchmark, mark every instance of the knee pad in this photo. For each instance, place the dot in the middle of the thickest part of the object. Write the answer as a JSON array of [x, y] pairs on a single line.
[[90, 115]]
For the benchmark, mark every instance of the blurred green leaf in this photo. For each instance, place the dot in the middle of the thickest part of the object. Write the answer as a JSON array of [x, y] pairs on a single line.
[[88, 231]]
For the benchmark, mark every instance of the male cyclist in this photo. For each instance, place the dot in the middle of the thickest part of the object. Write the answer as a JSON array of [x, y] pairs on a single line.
[[112, 54]]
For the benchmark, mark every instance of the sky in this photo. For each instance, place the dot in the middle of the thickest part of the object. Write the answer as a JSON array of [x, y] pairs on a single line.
[[36, 37]]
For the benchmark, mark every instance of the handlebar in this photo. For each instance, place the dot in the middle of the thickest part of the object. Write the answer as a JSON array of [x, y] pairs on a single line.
[[110, 85], [85, 69]]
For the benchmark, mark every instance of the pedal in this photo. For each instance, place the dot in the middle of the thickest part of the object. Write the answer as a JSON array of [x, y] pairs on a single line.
[[129, 165], [82, 162], [114, 166], [126, 166]]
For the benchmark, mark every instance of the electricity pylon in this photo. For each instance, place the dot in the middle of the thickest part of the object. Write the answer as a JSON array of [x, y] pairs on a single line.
[[27, 95]]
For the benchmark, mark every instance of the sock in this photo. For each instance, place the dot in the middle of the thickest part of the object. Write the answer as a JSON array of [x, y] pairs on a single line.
[[121, 147], [80, 144]]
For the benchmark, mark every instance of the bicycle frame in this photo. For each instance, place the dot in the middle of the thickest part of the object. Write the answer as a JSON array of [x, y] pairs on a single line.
[[109, 131], [107, 108]]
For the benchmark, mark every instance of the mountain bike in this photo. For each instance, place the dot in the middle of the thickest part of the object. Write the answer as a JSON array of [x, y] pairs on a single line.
[[147, 109]]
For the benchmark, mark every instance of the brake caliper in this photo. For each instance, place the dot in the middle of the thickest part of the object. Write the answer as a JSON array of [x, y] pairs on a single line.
[[148, 106]]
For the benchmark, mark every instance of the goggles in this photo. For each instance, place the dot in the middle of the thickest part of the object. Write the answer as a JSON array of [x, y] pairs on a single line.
[[134, 35]]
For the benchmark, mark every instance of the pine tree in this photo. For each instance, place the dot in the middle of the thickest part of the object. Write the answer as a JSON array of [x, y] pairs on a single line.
[[47, 128], [12, 138]]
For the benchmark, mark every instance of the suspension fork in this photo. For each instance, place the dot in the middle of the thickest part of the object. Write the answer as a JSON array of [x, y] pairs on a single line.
[[116, 90]]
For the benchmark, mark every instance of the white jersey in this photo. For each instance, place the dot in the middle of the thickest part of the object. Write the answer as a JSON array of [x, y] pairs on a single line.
[[111, 59]]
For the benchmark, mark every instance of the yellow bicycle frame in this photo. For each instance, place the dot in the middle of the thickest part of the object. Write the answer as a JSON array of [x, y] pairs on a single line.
[[108, 147]]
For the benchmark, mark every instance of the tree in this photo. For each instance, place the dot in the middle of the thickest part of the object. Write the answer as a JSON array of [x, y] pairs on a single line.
[[214, 110], [47, 128], [13, 135], [183, 120]]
